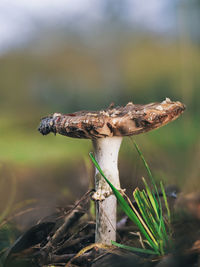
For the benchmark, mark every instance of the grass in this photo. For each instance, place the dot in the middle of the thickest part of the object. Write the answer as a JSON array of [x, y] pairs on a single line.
[[31, 148], [154, 227]]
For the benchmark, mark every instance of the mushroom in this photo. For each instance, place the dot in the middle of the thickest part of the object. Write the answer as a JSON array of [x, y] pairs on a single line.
[[106, 128]]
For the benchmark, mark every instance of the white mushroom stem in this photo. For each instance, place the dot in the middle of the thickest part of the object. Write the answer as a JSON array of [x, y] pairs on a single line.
[[106, 153]]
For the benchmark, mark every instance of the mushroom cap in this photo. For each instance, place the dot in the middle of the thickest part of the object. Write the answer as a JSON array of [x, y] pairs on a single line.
[[129, 120]]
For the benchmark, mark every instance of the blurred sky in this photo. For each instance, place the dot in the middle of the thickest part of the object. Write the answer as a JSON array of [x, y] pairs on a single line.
[[20, 19]]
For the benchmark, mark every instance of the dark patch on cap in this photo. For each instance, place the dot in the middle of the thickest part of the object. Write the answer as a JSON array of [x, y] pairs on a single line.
[[110, 127], [47, 126], [140, 122]]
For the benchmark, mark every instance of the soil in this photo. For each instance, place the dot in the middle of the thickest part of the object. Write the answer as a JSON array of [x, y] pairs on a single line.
[[67, 239]]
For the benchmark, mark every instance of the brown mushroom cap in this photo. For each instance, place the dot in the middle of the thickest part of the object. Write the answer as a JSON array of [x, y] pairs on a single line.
[[114, 121]]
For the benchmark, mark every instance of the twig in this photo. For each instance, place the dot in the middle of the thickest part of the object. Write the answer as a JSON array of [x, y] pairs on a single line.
[[140, 238], [69, 243], [72, 237], [52, 259], [93, 247], [73, 215], [45, 254]]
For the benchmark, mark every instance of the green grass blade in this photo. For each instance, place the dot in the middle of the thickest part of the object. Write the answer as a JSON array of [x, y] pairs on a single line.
[[165, 201], [134, 249], [161, 247], [149, 173], [154, 226], [126, 208], [141, 205], [152, 199], [155, 219], [146, 165], [152, 180], [148, 203], [148, 230], [158, 228]]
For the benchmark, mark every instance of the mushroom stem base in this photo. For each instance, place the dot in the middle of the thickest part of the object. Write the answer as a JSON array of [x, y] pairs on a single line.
[[106, 220]]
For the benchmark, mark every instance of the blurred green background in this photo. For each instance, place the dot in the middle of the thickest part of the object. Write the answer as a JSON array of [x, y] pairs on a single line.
[[108, 52]]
